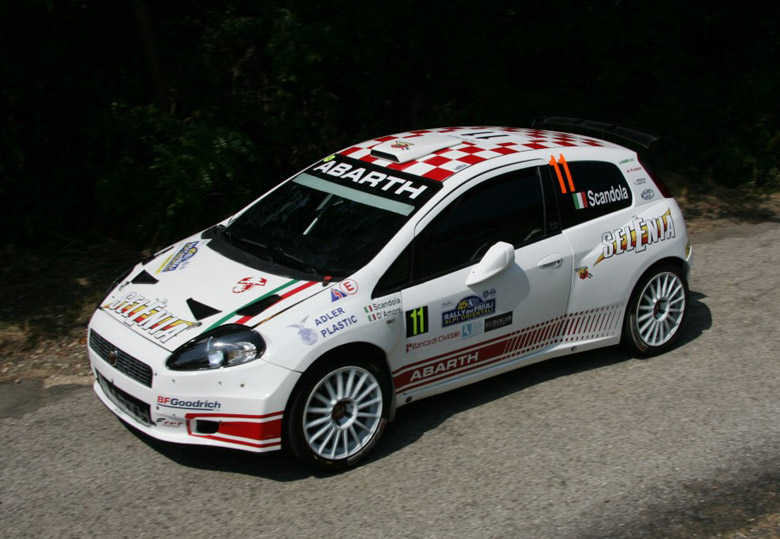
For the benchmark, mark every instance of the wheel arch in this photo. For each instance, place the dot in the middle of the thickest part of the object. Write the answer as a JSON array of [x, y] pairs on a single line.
[[673, 260], [358, 348], [682, 265]]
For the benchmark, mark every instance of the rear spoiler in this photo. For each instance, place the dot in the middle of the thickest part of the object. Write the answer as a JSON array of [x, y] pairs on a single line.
[[602, 128]]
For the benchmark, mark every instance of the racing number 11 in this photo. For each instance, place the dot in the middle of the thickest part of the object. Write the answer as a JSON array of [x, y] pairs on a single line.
[[417, 321]]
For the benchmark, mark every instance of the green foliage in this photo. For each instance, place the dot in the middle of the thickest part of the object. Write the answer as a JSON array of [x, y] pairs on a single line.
[[147, 120], [173, 176]]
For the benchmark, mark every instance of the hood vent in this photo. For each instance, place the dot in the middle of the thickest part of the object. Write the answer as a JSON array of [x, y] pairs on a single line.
[[253, 309], [144, 278], [402, 150], [200, 310]]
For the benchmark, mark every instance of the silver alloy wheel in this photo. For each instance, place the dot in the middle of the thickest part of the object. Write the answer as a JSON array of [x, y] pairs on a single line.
[[660, 309], [343, 413]]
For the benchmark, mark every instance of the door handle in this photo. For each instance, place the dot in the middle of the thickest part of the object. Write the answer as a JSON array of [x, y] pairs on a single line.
[[550, 262]]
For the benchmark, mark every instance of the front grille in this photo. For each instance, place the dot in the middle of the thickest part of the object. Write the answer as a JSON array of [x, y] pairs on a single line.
[[133, 407], [121, 361]]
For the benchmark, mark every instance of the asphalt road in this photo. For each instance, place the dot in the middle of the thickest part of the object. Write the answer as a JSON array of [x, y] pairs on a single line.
[[596, 445]]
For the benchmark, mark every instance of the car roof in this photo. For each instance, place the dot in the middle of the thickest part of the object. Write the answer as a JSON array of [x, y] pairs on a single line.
[[439, 153]]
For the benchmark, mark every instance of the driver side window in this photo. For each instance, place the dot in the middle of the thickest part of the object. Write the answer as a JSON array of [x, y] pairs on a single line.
[[507, 208]]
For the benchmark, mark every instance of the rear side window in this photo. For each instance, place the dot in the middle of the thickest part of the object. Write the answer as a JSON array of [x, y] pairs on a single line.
[[586, 190]]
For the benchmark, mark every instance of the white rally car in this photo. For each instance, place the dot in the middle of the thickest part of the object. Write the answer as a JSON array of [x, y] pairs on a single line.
[[390, 271]]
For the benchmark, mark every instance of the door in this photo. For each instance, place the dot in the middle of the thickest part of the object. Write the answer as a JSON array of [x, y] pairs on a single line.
[[454, 329]]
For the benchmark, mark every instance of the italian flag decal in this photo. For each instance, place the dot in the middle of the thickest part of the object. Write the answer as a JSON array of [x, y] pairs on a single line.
[[580, 201], [234, 318]]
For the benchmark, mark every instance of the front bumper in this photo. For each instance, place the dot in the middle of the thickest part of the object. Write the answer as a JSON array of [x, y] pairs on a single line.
[[238, 407]]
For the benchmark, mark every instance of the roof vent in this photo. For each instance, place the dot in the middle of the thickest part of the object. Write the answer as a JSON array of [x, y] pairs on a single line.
[[402, 150]]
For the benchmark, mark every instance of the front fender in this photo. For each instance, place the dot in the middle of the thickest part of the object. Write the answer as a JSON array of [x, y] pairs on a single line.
[[296, 338]]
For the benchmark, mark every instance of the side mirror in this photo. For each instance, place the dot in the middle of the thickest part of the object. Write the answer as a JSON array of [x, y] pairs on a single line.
[[499, 257]]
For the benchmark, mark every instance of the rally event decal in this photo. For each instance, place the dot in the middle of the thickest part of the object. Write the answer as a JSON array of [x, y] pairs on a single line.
[[468, 308], [180, 259]]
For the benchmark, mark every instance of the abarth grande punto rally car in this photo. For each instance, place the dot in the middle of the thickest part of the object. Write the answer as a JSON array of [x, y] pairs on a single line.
[[387, 272]]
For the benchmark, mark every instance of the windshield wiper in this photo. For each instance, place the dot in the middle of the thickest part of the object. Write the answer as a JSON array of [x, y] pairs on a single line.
[[273, 251]]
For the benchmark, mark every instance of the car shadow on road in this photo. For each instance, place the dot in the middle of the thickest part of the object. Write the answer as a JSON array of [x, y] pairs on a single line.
[[417, 418]]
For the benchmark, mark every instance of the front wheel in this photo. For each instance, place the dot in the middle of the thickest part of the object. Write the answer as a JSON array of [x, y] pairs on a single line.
[[656, 311], [338, 413]]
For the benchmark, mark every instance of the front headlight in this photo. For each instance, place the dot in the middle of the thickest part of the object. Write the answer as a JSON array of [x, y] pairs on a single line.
[[225, 346]]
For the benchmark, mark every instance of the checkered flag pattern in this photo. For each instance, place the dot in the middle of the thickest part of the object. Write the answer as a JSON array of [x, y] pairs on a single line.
[[489, 142]]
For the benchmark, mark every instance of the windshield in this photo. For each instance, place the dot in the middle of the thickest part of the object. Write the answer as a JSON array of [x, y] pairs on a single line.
[[326, 224]]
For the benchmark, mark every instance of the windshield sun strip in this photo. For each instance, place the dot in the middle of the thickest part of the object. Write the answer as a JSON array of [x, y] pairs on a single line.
[[354, 195]]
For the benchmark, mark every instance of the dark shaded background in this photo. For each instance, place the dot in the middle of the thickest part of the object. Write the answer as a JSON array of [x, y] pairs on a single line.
[[143, 121]]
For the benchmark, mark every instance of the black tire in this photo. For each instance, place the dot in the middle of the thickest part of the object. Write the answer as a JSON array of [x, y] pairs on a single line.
[[323, 425], [656, 311]]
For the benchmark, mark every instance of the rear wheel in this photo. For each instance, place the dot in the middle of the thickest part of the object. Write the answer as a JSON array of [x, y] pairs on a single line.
[[656, 311], [338, 413]]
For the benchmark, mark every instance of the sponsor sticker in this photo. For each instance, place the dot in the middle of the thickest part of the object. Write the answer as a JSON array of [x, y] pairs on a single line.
[[307, 335], [163, 422], [640, 181], [498, 321], [583, 272], [637, 235], [363, 175], [624, 161], [648, 194], [469, 308], [411, 346], [444, 366], [472, 329], [248, 283], [333, 321], [180, 259], [173, 402], [336, 294], [401, 144], [148, 315]]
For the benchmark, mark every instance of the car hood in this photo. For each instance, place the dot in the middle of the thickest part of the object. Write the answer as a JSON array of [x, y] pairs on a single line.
[[189, 289]]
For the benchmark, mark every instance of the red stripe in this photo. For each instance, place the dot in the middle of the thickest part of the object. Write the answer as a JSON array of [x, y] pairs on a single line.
[[304, 286], [239, 442], [460, 351], [244, 416], [253, 431], [257, 431]]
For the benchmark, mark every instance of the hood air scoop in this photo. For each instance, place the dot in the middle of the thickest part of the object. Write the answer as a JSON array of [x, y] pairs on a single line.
[[401, 150], [253, 309], [144, 278], [200, 310]]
